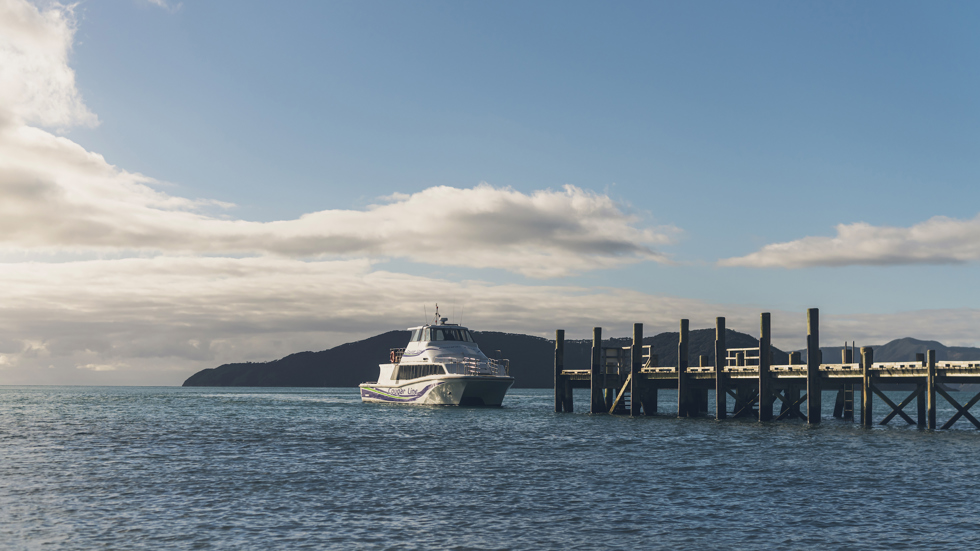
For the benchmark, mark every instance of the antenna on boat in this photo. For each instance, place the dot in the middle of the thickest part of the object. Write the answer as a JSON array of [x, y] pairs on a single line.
[[461, 314], [426, 313]]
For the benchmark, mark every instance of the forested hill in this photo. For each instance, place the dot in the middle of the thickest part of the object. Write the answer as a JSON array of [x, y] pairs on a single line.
[[531, 358]]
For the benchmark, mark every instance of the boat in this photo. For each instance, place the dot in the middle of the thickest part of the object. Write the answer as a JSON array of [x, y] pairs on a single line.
[[441, 365]]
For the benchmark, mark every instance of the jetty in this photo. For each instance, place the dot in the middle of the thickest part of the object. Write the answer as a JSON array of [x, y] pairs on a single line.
[[627, 380]]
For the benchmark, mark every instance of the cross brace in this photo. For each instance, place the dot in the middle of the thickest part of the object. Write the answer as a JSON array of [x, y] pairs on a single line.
[[790, 409], [960, 410], [897, 410]]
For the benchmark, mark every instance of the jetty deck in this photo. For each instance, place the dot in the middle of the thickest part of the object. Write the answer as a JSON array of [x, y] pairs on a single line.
[[627, 380]]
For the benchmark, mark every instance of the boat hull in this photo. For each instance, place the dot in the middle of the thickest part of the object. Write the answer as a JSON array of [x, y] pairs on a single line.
[[459, 390]]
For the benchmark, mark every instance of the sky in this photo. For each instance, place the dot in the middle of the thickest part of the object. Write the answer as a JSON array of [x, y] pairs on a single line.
[[186, 184]]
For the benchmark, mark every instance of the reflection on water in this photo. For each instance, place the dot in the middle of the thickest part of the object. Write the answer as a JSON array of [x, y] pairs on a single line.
[[314, 468]]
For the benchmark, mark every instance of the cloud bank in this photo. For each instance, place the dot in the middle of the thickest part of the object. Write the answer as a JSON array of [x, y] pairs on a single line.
[[939, 240], [158, 320], [56, 196]]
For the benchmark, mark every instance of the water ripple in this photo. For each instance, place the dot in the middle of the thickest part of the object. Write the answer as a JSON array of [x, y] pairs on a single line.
[[127, 468]]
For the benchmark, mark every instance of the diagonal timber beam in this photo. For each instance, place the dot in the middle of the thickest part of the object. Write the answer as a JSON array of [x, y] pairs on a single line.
[[791, 409], [895, 409], [626, 384], [960, 410], [748, 406]]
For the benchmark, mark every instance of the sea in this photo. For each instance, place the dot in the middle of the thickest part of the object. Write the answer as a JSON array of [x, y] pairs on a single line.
[[279, 468]]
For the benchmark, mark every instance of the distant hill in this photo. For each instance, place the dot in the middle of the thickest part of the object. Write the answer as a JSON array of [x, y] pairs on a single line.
[[531, 359], [904, 350]]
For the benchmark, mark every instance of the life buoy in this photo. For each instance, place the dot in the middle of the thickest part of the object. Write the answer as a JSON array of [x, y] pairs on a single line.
[[392, 356]]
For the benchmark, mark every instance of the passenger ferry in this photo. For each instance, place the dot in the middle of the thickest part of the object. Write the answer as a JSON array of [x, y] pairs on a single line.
[[441, 365]]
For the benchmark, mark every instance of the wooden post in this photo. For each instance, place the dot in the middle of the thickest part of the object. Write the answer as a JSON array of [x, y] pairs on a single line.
[[846, 357], [765, 382], [867, 396], [813, 366], [920, 400], [595, 375], [683, 390], [559, 366], [721, 385], [636, 363], [931, 389], [568, 395]]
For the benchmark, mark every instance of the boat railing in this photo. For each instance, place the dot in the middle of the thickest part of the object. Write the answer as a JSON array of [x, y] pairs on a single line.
[[396, 354], [477, 366]]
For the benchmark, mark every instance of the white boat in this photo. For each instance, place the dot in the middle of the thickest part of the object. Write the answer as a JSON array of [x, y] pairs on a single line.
[[441, 365]]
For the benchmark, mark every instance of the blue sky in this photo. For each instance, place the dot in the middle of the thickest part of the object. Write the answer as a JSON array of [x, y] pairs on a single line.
[[713, 130]]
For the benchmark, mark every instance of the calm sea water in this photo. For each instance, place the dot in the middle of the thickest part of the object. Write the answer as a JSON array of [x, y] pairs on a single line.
[[176, 468]]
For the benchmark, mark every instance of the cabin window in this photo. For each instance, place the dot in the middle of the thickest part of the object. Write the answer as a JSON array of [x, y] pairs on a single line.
[[416, 335], [425, 334], [406, 372], [466, 335], [449, 334]]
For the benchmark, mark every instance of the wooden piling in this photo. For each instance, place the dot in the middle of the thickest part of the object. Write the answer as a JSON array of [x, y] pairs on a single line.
[[636, 363], [813, 401], [765, 359], [721, 383], [920, 400], [559, 366], [596, 377], [867, 396], [931, 389], [846, 357], [684, 408]]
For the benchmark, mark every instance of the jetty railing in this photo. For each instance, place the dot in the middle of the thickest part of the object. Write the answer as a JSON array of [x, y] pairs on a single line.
[[627, 380]]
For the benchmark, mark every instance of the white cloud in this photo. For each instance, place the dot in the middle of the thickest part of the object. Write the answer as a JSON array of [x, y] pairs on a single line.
[[36, 84], [168, 6], [939, 240], [56, 196]]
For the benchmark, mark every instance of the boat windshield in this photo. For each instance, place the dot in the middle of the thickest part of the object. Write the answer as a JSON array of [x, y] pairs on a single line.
[[416, 335], [446, 334]]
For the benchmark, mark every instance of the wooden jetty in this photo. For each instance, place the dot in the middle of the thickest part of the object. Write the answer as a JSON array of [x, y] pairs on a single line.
[[627, 380]]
